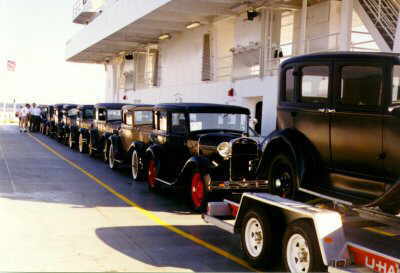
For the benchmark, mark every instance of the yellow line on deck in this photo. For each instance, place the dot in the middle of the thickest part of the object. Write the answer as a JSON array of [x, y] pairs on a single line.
[[382, 232], [149, 214]]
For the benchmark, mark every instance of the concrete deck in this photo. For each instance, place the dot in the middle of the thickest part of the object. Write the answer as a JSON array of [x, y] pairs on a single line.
[[56, 218]]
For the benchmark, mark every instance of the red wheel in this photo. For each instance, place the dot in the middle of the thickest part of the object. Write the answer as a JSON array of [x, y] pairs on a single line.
[[198, 193], [152, 174]]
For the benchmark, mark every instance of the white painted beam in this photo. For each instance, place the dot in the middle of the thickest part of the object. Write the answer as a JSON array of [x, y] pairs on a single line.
[[303, 25], [346, 17], [396, 46]]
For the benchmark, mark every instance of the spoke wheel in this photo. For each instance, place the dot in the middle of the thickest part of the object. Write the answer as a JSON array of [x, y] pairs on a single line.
[[152, 175], [105, 152], [301, 250], [90, 149], [111, 160], [71, 141], [198, 193], [282, 177], [81, 144], [135, 165]]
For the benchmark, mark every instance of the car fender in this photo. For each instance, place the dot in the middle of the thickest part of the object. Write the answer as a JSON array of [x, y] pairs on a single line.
[[139, 146], [294, 143], [155, 151], [93, 136], [115, 140], [195, 163]]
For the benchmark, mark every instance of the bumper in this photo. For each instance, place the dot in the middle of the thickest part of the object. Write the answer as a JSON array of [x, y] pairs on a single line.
[[246, 185]]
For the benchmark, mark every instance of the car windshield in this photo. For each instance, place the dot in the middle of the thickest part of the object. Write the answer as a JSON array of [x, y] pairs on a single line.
[[114, 115], [72, 112], [88, 113], [223, 121]]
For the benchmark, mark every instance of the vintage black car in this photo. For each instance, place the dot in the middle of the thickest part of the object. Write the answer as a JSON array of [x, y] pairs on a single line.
[[47, 120], [79, 131], [338, 129], [65, 116], [134, 137], [107, 122], [189, 151]]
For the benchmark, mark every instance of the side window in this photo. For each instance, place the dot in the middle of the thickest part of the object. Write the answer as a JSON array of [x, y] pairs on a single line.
[[314, 84], [361, 85], [129, 119], [162, 121], [288, 94], [178, 123], [143, 117], [101, 114], [396, 85]]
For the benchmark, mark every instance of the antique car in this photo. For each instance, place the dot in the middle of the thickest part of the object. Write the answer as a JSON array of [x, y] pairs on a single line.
[[65, 117], [338, 129], [134, 137], [47, 121], [189, 151], [107, 122], [79, 132]]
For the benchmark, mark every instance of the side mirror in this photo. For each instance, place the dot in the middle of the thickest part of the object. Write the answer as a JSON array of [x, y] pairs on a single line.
[[395, 111]]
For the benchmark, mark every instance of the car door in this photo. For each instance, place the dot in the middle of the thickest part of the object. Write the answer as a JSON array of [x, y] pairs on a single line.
[[126, 130], [311, 116], [356, 127], [391, 131]]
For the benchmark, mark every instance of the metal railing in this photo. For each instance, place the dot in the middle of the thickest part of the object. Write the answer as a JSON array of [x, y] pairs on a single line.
[[384, 14]]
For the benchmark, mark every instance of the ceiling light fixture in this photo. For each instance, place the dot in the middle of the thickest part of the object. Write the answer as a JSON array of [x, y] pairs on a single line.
[[193, 25], [164, 37]]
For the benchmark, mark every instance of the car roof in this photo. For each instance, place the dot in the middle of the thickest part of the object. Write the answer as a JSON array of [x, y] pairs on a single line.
[[69, 106], [85, 106], [138, 107], [345, 55], [110, 105], [202, 108]]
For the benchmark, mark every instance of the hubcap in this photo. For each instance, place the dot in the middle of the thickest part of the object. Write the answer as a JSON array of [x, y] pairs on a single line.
[[298, 254], [152, 174], [135, 165], [282, 180], [197, 190], [254, 237]]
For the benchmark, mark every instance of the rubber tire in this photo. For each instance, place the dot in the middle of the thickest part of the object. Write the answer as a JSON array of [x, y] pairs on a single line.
[[203, 207], [91, 152], [141, 175], [306, 229], [268, 255], [70, 144], [286, 159], [84, 145]]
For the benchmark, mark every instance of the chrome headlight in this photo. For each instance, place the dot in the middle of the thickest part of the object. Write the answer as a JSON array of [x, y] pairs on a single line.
[[224, 149]]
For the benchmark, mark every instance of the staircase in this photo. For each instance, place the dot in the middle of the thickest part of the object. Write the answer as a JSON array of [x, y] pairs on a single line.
[[384, 15]]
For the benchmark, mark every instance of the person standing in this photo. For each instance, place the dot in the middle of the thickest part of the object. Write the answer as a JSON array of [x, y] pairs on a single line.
[[24, 113], [35, 118]]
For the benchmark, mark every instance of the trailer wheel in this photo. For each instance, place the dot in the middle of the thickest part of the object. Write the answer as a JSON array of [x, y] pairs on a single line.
[[256, 237], [282, 176], [301, 252]]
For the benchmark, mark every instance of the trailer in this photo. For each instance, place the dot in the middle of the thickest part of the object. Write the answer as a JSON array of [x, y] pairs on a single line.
[[310, 237]]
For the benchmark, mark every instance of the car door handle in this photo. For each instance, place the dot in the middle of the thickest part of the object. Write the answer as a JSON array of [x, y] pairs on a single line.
[[331, 111]]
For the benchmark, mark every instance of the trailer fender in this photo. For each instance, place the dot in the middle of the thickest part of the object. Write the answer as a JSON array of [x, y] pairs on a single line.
[[328, 224]]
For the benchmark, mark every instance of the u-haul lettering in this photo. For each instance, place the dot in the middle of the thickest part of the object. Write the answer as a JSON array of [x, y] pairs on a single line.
[[375, 262]]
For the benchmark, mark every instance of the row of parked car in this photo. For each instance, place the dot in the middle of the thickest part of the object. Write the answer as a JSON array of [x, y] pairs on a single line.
[[336, 138]]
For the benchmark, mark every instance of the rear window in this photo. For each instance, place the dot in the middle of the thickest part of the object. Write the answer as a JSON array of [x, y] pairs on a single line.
[[143, 117], [361, 85]]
